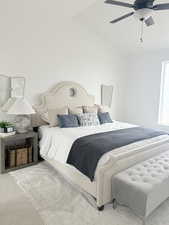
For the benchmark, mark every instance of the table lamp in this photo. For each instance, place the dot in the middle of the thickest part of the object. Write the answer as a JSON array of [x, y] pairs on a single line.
[[22, 109]]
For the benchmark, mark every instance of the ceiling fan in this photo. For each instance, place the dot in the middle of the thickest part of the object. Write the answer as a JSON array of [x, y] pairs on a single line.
[[143, 10]]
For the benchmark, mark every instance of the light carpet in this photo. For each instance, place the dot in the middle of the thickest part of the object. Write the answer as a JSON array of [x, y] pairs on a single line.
[[60, 203]]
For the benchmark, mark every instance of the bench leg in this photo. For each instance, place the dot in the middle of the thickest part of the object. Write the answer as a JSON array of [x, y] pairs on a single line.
[[114, 204], [144, 221], [101, 208]]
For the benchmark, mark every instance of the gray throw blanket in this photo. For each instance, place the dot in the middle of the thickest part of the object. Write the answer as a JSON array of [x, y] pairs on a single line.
[[86, 151]]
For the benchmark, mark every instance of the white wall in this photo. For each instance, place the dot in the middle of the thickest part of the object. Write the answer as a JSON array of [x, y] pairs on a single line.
[[41, 42], [143, 88]]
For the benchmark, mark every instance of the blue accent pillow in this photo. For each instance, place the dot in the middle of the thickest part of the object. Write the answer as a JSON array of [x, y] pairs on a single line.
[[66, 121], [104, 117]]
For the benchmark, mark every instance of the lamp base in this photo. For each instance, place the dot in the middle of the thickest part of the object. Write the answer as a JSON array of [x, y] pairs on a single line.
[[22, 123], [21, 131]]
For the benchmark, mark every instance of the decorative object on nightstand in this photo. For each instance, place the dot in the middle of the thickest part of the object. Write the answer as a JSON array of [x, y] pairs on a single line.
[[6, 129], [18, 151]]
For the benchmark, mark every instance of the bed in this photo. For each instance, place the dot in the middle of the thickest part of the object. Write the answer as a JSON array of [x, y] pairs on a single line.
[[55, 144]]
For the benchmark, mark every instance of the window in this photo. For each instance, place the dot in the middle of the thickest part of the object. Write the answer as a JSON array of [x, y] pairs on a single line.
[[164, 98]]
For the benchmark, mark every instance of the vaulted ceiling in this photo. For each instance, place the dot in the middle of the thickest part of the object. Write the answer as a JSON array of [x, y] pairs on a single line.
[[94, 15]]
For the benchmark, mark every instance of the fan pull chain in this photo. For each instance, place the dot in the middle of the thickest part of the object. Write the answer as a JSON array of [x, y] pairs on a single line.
[[141, 34]]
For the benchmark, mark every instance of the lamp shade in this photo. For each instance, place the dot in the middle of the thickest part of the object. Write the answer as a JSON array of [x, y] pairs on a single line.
[[19, 106]]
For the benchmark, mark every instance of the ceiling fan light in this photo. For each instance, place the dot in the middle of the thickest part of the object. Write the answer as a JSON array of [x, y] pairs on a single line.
[[142, 14]]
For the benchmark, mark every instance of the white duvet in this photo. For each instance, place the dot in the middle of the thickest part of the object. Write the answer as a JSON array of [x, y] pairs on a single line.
[[56, 142]]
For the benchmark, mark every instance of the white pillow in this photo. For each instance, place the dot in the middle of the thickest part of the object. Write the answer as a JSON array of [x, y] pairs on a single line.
[[52, 113], [90, 109], [76, 110], [88, 119]]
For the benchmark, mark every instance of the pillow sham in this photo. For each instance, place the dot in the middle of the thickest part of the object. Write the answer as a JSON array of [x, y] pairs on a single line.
[[66, 121], [88, 119], [76, 110], [45, 117], [104, 118], [103, 108], [90, 109], [52, 113]]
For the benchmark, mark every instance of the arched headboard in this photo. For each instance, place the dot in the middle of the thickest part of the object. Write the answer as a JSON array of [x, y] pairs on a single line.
[[66, 93]]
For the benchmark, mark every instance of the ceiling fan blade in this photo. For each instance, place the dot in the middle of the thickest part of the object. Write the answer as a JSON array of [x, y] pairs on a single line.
[[119, 3], [149, 21], [142, 1], [163, 6], [140, 4], [122, 17]]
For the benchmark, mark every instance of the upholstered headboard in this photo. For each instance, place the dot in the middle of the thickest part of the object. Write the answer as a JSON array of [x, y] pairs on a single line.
[[67, 93]]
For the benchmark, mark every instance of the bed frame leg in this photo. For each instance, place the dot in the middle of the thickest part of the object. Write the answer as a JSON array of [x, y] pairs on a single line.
[[101, 208]]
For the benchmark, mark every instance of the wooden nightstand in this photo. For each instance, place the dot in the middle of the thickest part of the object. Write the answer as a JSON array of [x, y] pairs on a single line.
[[6, 144]]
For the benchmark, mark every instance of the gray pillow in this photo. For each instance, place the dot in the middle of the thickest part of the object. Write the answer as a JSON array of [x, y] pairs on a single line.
[[104, 117], [66, 121], [88, 119]]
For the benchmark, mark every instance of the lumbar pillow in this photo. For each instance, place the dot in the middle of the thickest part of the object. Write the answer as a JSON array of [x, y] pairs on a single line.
[[66, 121], [52, 113], [90, 109], [76, 110], [88, 119], [104, 117]]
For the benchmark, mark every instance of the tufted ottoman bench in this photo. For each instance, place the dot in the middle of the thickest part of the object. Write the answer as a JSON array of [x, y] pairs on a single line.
[[144, 186]]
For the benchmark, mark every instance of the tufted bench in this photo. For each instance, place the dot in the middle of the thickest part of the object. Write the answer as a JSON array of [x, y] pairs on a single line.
[[144, 186]]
